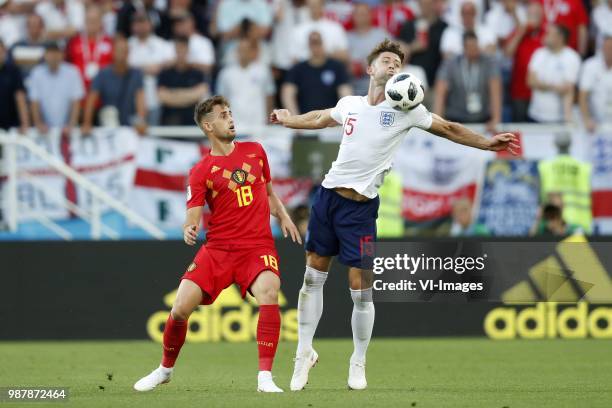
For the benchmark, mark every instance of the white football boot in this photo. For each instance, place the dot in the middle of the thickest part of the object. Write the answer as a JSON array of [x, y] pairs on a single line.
[[303, 363], [161, 375], [357, 377], [265, 383]]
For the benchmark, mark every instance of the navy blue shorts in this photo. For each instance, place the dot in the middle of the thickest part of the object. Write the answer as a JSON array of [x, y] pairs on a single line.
[[343, 227]]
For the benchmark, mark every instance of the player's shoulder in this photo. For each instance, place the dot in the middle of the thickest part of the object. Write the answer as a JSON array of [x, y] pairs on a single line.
[[351, 100], [249, 147], [202, 166]]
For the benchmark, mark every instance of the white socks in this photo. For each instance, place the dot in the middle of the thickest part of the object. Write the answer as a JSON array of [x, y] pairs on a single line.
[[310, 307], [362, 323]]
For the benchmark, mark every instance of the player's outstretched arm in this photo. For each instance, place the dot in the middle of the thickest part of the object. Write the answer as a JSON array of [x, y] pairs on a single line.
[[458, 133], [278, 210], [192, 225], [317, 119]]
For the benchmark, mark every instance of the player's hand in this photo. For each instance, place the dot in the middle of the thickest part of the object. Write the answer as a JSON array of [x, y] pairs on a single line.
[[190, 234], [504, 141], [279, 115], [289, 228]]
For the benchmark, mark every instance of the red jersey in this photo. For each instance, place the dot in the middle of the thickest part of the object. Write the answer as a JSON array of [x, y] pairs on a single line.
[[569, 13], [528, 45], [235, 188], [90, 55]]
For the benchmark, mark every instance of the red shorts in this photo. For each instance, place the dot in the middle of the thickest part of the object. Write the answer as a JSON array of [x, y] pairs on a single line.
[[216, 268]]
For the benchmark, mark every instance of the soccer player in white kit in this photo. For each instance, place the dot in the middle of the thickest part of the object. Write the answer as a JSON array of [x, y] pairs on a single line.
[[345, 208]]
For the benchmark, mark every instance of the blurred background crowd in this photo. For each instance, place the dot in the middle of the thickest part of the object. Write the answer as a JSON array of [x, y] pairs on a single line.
[[147, 62], [81, 64]]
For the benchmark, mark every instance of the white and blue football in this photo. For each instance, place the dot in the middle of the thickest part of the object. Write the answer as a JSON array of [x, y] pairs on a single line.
[[404, 91]]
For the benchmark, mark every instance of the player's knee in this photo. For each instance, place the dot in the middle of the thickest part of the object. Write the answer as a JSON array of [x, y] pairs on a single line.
[[180, 313], [320, 263], [269, 295]]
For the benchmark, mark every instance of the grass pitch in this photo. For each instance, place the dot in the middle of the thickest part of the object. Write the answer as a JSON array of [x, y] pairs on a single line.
[[401, 372]]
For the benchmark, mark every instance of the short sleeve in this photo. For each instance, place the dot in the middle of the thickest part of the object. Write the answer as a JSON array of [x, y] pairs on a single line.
[[78, 90], [573, 69], [587, 77], [18, 85], [222, 88], [33, 90], [292, 75], [341, 74], [494, 69], [269, 85], [96, 84], [163, 79], [535, 60], [196, 189], [139, 80], [338, 113], [443, 71], [421, 117]]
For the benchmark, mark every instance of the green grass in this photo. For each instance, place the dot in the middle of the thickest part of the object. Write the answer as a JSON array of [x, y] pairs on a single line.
[[401, 372]]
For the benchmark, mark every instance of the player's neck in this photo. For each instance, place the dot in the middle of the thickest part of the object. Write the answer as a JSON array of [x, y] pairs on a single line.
[[220, 148], [376, 94]]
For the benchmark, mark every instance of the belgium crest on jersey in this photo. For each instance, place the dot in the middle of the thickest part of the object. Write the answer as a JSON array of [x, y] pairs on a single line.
[[239, 176], [387, 118]]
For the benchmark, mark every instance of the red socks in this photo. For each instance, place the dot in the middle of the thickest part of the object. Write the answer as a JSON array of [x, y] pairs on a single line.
[[268, 330], [174, 337]]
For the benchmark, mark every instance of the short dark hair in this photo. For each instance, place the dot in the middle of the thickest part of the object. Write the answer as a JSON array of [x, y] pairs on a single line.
[[551, 212], [206, 106], [386, 46], [564, 31], [470, 35]]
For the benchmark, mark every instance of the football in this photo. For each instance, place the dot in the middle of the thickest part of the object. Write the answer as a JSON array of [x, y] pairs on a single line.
[[404, 91]]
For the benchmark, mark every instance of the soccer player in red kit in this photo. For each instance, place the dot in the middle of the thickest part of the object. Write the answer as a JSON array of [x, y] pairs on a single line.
[[234, 179]]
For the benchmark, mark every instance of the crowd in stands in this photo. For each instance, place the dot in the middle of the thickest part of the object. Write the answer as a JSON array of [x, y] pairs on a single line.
[[147, 62]]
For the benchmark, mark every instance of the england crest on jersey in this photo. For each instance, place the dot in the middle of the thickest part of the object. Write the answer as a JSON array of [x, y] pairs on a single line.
[[387, 118]]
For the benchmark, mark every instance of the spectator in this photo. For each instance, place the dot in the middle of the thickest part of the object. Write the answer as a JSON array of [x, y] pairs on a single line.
[[422, 37], [452, 38], [462, 223], [201, 50], [55, 90], [552, 75], [180, 88], [595, 95], [341, 11], [119, 91], [505, 17], [390, 15], [572, 15], [150, 54], [334, 37], [415, 70], [12, 22], [231, 15], [317, 83], [63, 18], [468, 87], [14, 110], [250, 32], [571, 178], [31, 50], [362, 39], [520, 47], [602, 18], [92, 50], [109, 17], [160, 21], [248, 85], [551, 223]]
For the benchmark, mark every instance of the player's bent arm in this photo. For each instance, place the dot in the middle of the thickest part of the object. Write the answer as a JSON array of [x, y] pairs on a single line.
[[317, 119], [278, 210], [192, 224], [457, 133]]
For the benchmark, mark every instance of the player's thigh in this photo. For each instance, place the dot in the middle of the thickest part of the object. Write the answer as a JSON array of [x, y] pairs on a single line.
[[318, 262], [265, 288], [188, 297], [321, 237], [360, 278]]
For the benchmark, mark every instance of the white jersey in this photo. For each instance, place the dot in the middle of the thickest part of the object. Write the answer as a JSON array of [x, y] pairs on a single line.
[[370, 138]]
